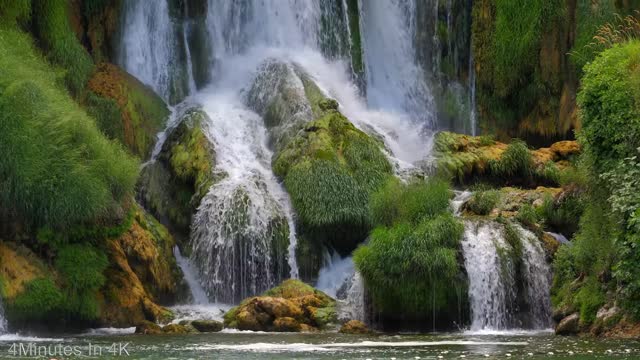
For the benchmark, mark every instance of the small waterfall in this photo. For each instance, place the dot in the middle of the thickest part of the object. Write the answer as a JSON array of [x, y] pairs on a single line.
[[506, 292], [537, 277], [339, 279], [153, 50], [198, 295], [3, 322], [491, 282]]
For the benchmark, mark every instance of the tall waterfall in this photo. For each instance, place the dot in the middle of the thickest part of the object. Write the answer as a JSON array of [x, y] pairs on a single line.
[[502, 293]]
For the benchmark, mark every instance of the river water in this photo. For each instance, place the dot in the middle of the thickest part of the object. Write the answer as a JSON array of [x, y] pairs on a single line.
[[251, 345]]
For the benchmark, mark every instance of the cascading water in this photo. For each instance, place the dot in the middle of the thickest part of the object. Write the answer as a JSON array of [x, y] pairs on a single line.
[[491, 283], [537, 277], [506, 292], [339, 279], [3, 321]]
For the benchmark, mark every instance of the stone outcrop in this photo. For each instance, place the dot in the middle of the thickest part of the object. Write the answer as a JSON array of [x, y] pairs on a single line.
[[570, 325], [355, 327], [172, 186], [291, 307]]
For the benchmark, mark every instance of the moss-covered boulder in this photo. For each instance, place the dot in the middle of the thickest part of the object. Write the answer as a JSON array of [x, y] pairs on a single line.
[[172, 186], [355, 327], [293, 306], [467, 159], [142, 273], [329, 169], [206, 326], [140, 114]]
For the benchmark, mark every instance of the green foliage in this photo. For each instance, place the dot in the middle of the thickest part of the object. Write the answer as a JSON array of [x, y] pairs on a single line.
[[589, 299], [14, 12], [516, 162], [410, 264], [483, 201], [107, 115], [564, 215], [527, 215], [589, 17], [52, 27], [82, 268], [40, 301], [330, 169], [610, 105], [62, 170]]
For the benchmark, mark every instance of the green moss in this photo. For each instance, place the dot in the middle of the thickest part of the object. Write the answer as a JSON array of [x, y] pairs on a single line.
[[107, 115], [62, 169], [330, 169], [81, 267], [411, 268], [15, 12], [589, 299], [51, 20], [40, 301]]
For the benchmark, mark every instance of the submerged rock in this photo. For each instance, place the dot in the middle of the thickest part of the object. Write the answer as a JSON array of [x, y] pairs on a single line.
[[291, 307], [175, 329], [172, 186], [355, 327], [207, 325], [148, 328]]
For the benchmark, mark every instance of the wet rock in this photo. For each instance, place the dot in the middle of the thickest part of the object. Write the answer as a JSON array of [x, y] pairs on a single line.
[[286, 324], [355, 327], [173, 186], [291, 307], [175, 329], [148, 328], [207, 325], [570, 325]]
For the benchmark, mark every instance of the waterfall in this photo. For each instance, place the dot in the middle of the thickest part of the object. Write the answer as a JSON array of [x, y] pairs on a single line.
[[506, 292], [4, 326], [537, 278], [243, 236], [198, 295], [339, 279], [395, 82], [491, 282]]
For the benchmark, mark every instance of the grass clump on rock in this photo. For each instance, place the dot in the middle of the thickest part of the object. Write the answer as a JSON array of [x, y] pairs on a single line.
[[330, 169], [410, 265]]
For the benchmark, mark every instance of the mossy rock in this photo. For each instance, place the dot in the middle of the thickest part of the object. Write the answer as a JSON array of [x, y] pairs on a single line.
[[355, 327], [143, 113], [173, 185], [142, 273], [329, 169], [468, 159], [292, 306]]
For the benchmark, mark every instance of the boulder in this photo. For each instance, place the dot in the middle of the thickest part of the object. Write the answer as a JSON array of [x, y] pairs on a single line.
[[142, 273], [570, 325], [173, 186], [206, 326], [291, 307], [355, 327], [148, 328], [175, 329]]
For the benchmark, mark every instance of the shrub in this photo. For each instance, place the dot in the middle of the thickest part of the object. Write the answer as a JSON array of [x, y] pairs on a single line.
[[515, 162], [589, 299], [527, 215], [61, 170], [52, 27], [410, 264], [483, 201]]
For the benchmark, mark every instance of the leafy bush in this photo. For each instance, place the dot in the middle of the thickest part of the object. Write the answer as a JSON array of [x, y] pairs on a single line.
[[61, 170], [410, 264], [483, 201], [589, 299], [562, 216]]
